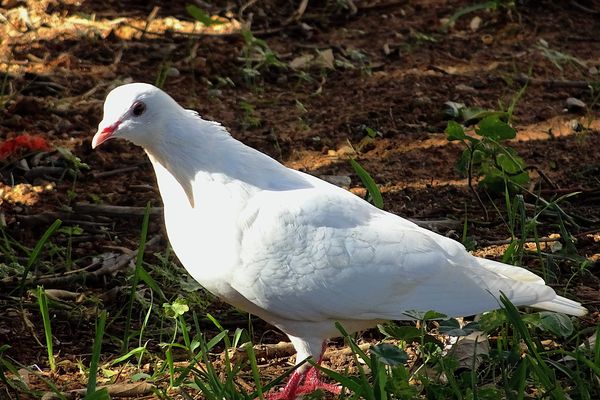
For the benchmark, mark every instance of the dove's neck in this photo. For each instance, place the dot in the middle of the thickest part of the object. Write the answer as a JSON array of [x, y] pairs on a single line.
[[201, 156]]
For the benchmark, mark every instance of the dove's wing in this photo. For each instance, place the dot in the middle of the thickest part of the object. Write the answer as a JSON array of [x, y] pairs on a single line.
[[322, 253]]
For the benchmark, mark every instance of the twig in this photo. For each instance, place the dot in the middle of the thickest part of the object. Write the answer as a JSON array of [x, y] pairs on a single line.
[[118, 171], [44, 171], [542, 174], [110, 266], [509, 241], [118, 211], [149, 19], [380, 6], [470, 184], [524, 79], [296, 16], [284, 349], [584, 8], [116, 390]]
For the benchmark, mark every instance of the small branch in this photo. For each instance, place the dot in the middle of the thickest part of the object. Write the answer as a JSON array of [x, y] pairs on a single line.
[[117, 171], [116, 390], [117, 211], [524, 79], [110, 266], [470, 183], [509, 241], [543, 175], [583, 8], [284, 349]]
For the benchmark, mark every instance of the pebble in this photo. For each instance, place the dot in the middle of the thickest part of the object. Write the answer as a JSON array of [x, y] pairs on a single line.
[[575, 105], [338, 180], [173, 72]]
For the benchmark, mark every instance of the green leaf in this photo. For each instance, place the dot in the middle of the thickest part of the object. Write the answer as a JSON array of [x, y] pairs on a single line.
[[177, 308], [492, 320], [369, 183], [201, 16], [557, 323], [455, 131], [389, 354], [473, 115], [72, 158], [134, 352], [405, 333], [510, 163], [425, 316], [492, 127], [451, 327], [101, 394]]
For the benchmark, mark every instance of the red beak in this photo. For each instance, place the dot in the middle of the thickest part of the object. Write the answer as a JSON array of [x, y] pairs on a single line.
[[105, 134]]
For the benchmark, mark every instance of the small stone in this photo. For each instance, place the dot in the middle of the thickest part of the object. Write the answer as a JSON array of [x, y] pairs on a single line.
[[575, 105], [173, 72], [487, 39], [11, 3], [475, 24], [338, 180], [461, 87]]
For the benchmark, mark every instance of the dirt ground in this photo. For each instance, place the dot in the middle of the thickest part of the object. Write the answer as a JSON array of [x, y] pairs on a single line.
[[343, 67]]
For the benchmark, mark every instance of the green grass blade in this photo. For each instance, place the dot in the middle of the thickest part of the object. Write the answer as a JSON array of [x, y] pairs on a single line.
[[91, 386], [35, 254], [255, 372], [43, 303], [369, 183], [538, 365], [136, 275]]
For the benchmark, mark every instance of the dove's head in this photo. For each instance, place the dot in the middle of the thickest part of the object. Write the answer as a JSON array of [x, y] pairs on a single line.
[[135, 112]]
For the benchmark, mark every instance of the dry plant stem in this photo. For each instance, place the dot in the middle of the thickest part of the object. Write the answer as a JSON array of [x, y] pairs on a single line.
[[47, 217], [543, 175], [117, 211], [524, 79], [116, 390], [576, 4], [149, 19], [118, 171], [109, 267], [285, 349], [509, 241], [470, 183]]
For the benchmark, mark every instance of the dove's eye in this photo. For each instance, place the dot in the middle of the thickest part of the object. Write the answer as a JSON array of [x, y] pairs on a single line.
[[138, 108]]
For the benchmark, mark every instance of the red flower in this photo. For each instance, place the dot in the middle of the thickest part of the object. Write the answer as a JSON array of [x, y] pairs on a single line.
[[13, 146]]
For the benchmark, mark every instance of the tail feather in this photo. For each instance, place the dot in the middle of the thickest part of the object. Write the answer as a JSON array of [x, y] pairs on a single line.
[[562, 305], [556, 303]]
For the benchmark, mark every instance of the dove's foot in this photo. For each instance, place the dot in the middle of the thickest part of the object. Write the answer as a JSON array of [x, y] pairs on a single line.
[[313, 382], [303, 383]]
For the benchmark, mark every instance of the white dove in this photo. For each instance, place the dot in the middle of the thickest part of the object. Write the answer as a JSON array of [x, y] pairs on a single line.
[[294, 250]]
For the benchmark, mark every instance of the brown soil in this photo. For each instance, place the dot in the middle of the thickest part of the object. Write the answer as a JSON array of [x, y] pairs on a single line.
[[394, 68]]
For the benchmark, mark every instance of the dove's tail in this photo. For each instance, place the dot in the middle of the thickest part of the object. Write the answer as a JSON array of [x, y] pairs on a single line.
[[562, 305], [556, 303]]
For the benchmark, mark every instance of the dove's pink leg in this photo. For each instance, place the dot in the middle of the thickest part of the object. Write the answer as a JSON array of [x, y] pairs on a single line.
[[304, 382]]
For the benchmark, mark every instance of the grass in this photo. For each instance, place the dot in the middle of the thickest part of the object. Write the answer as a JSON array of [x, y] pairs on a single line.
[[43, 303], [197, 359]]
